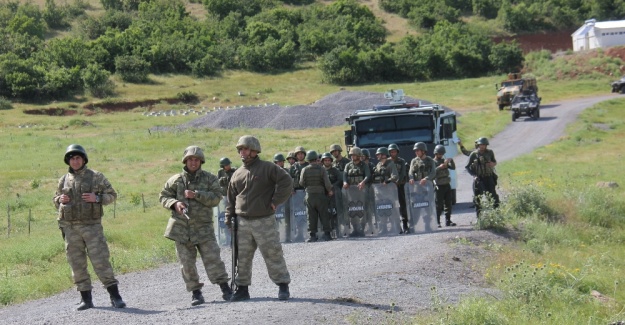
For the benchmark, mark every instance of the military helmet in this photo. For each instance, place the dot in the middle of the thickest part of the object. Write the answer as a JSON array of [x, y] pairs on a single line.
[[365, 152], [336, 147], [311, 155], [298, 150], [193, 151], [250, 142], [224, 161], [355, 151], [420, 146], [439, 149], [278, 157], [73, 150], [382, 151], [482, 141], [393, 146], [290, 155], [327, 155]]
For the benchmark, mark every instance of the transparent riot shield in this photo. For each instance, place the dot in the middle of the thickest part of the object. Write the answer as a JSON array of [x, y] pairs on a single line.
[[222, 233], [387, 215], [335, 208], [420, 201], [298, 217], [282, 223], [355, 212]]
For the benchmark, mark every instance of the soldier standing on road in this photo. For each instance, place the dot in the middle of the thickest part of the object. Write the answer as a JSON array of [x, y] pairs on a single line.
[[191, 196], [384, 172], [402, 171], [224, 173], [336, 179], [366, 158], [296, 168], [79, 198], [255, 190], [481, 166], [422, 167], [443, 185], [315, 180], [339, 161], [356, 173]]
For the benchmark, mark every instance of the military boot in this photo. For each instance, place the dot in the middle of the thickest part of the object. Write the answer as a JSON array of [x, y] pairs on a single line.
[[241, 294], [197, 298], [327, 236], [116, 299], [406, 227], [313, 238], [86, 300], [283, 293], [448, 222], [226, 291]]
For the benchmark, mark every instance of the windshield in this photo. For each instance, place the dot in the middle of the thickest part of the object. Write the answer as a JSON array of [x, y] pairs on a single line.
[[401, 129], [519, 99], [512, 83]]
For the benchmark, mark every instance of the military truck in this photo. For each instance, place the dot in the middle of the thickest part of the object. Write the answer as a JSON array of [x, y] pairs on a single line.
[[515, 84], [404, 124]]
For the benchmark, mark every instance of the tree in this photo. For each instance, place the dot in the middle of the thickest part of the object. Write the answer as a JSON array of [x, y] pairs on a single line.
[[96, 81], [506, 57], [132, 68]]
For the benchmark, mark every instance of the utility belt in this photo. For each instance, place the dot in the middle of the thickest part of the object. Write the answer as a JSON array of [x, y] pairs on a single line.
[[355, 179]]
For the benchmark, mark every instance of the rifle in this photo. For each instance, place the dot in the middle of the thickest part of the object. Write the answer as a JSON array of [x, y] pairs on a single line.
[[235, 252]]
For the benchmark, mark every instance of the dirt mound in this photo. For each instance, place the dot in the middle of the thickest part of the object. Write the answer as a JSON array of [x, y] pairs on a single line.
[[51, 111]]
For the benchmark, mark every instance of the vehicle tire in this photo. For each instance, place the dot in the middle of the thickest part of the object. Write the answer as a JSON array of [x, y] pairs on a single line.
[[538, 112], [535, 115], [514, 116], [623, 89], [501, 106]]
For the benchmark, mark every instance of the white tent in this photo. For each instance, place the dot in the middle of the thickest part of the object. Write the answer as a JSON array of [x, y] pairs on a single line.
[[599, 34]]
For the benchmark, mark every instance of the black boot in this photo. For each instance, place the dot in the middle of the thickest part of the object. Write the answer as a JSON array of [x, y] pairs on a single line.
[[283, 293], [241, 294], [406, 227], [197, 298], [226, 291], [313, 238], [327, 236], [449, 223], [116, 299], [86, 300]]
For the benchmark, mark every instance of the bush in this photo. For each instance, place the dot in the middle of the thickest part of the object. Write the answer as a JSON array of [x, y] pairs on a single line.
[[132, 68], [5, 104], [206, 66], [55, 16], [96, 81], [528, 201], [187, 97], [506, 57]]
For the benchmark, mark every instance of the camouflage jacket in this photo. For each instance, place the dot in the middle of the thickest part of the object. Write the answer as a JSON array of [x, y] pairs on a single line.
[[422, 168], [402, 170], [224, 178], [442, 174], [477, 164], [385, 172], [295, 171], [199, 226], [341, 163], [314, 179], [74, 184], [356, 173], [335, 176]]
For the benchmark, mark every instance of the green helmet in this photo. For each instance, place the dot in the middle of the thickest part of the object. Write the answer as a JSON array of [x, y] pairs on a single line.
[[439, 149], [223, 162], [482, 141], [365, 152], [393, 146], [420, 146], [193, 151], [298, 150], [355, 151], [278, 157], [336, 147], [382, 151], [311, 155], [250, 142], [73, 150], [327, 155], [290, 155]]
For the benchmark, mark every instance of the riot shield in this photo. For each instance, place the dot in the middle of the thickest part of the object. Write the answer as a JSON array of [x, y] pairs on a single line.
[[282, 222], [355, 212], [222, 233], [298, 217], [334, 210], [421, 207], [387, 214]]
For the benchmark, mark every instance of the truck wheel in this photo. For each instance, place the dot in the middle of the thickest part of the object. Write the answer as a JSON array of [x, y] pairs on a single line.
[[514, 116], [501, 106], [622, 89], [535, 115]]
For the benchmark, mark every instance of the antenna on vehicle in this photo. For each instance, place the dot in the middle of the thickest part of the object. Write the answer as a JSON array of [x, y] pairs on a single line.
[[396, 96]]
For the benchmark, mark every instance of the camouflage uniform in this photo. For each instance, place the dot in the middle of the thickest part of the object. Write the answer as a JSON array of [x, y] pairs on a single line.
[[341, 163], [295, 171], [224, 178], [197, 233], [443, 189], [314, 179], [354, 174], [422, 168], [384, 173], [486, 179], [335, 207]]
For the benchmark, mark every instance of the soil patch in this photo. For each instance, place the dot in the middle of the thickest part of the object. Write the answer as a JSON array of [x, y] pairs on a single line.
[[51, 111], [108, 107]]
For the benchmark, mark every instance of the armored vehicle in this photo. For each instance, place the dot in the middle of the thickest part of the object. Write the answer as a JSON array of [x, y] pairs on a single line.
[[514, 85], [527, 104]]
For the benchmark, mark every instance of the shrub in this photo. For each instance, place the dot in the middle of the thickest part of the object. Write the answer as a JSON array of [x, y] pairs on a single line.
[[206, 66], [55, 16], [5, 104], [187, 97], [132, 68], [96, 81], [527, 201]]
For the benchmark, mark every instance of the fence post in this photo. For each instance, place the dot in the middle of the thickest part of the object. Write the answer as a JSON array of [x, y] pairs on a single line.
[[143, 200]]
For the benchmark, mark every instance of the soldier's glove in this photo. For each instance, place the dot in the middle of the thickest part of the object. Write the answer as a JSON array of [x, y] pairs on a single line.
[[229, 222]]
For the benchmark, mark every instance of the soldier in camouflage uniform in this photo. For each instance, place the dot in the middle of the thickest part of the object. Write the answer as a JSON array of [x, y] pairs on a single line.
[[464, 150], [339, 161], [384, 172], [315, 180], [481, 166], [336, 179], [79, 198], [278, 159], [296, 168], [191, 196], [357, 173], [443, 185], [290, 157], [254, 203], [225, 172], [422, 167], [366, 158], [402, 171]]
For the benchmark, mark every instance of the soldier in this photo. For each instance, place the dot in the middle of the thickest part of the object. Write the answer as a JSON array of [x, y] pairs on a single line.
[[422, 167], [366, 157], [278, 159], [224, 173], [191, 196], [481, 166], [384, 172], [290, 158], [336, 179], [464, 150], [253, 203], [402, 171], [79, 198], [296, 168], [339, 161], [356, 173], [443, 185], [315, 180]]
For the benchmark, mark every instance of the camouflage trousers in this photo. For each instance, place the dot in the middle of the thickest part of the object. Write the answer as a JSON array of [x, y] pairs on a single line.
[[211, 258], [260, 233], [87, 240], [317, 207]]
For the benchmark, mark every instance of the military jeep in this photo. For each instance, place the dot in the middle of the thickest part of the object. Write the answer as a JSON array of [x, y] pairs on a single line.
[[515, 84], [526, 103], [619, 86]]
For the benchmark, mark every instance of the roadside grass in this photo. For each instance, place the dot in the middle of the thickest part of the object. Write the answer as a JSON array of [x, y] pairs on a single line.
[[566, 266]]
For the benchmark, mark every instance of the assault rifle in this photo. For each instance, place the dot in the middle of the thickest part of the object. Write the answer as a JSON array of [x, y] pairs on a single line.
[[235, 251]]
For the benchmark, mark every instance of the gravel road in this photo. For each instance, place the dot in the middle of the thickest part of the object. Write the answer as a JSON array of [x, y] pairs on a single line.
[[353, 281]]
